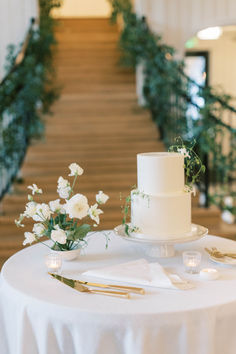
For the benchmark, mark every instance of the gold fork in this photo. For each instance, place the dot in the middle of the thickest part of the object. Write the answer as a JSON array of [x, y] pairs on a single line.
[[217, 254], [83, 288], [130, 289]]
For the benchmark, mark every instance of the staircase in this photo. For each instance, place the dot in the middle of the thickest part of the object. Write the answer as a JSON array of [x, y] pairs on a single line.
[[97, 124]]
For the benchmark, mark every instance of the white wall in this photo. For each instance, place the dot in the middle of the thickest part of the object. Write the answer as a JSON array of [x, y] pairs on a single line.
[[222, 68], [179, 20], [15, 18], [84, 8], [222, 54]]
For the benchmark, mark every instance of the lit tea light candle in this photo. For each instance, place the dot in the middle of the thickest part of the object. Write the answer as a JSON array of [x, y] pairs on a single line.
[[192, 260], [209, 274], [53, 263]]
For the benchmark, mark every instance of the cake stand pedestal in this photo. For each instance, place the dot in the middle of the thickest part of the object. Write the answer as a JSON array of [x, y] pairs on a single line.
[[161, 248]]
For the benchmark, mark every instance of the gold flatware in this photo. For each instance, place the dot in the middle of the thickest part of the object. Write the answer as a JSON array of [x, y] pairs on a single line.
[[131, 289], [83, 288], [217, 254], [79, 287]]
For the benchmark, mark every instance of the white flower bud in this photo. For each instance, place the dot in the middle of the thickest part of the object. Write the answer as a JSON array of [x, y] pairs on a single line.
[[101, 197], [75, 169]]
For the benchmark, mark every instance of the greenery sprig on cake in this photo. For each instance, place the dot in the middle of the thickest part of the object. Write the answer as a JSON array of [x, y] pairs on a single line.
[[192, 163], [126, 210]]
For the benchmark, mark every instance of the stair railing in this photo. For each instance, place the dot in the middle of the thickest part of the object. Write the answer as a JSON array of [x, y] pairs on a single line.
[[166, 91], [13, 139], [26, 94]]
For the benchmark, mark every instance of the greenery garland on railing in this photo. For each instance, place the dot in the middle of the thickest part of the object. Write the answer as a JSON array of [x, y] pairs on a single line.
[[26, 93], [166, 92]]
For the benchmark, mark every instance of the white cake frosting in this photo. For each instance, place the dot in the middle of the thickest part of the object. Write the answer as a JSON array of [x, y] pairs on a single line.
[[160, 208]]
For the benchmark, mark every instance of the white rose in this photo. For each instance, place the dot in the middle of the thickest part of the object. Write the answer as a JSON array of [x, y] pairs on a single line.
[[30, 209], [62, 183], [58, 235], [29, 238], [101, 197], [228, 201], [94, 213], [43, 212], [55, 206], [35, 189], [75, 169], [64, 193], [77, 206], [227, 216], [39, 229]]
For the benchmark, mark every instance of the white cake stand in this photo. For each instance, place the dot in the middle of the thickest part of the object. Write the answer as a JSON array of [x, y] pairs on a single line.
[[161, 248]]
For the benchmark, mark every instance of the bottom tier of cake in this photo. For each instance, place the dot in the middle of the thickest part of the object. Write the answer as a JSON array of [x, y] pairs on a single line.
[[163, 216]]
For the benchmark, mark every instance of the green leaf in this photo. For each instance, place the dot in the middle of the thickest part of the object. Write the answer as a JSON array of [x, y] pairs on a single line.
[[70, 235], [127, 229], [57, 219], [82, 231], [55, 247]]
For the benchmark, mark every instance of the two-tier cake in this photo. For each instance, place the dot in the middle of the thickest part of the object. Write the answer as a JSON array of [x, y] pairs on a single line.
[[161, 206]]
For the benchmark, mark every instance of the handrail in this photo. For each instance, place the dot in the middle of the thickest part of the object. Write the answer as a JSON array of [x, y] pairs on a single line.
[[167, 95], [211, 116], [220, 100], [7, 177], [26, 94], [21, 55]]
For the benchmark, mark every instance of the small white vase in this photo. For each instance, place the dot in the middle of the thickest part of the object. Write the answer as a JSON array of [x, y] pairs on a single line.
[[68, 255]]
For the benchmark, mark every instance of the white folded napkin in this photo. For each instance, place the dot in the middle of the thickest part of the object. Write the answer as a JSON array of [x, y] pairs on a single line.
[[141, 272]]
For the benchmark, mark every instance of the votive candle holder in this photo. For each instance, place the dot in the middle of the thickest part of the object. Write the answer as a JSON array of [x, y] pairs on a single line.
[[192, 261], [53, 263]]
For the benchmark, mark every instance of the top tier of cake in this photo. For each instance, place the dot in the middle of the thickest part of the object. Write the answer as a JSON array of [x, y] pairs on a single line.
[[160, 172]]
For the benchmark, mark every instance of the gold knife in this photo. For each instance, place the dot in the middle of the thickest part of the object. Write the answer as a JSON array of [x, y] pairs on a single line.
[[77, 286]]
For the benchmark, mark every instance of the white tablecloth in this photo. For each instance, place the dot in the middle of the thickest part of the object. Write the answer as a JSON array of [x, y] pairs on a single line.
[[40, 315]]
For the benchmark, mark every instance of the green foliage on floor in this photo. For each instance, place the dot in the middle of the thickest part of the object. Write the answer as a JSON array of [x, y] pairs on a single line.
[[166, 91], [26, 93]]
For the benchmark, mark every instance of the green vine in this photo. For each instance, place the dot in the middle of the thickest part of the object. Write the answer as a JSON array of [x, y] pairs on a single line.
[[192, 163], [166, 91], [26, 94], [126, 210]]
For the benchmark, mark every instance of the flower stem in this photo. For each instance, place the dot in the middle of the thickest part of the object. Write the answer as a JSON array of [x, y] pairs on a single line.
[[72, 187]]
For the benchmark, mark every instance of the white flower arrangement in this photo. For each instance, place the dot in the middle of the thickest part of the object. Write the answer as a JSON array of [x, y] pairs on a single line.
[[61, 221]]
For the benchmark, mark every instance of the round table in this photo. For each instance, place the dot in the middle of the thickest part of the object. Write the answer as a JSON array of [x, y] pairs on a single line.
[[39, 314]]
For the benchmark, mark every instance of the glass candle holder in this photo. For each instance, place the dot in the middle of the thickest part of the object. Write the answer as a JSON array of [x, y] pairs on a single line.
[[192, 261], [53, 263]]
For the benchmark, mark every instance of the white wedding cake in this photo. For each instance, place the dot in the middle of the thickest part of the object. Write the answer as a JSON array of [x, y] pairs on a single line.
[[161, 206]]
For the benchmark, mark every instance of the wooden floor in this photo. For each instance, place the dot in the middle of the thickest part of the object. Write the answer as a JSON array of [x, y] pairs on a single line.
[[97, 124]]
